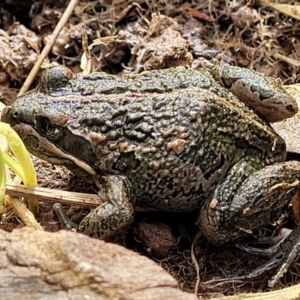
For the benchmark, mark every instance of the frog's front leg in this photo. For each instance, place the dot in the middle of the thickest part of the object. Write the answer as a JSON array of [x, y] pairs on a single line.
[[113, 215], [110, 217], [242, 203]]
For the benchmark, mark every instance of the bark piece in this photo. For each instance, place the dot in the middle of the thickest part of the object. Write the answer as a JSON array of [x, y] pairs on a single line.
[[66, 265]]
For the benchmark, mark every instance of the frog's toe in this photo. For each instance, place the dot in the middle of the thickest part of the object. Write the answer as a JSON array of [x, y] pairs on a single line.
[[65, 222], [254, 275]]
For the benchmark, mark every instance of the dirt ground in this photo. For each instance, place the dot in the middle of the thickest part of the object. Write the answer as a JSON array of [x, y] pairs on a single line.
[[132, 36]]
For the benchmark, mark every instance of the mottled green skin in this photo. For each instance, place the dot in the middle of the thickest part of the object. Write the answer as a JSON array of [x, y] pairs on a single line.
[[177, 137]]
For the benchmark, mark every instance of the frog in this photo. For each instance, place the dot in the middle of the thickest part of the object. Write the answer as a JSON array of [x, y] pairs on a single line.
[[177, 140]]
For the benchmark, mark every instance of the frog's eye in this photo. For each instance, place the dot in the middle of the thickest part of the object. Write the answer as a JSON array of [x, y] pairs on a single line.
[[44, 126]]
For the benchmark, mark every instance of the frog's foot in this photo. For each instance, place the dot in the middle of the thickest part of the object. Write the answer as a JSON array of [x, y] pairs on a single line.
[[267, 252], [113, 215], [287, 252]]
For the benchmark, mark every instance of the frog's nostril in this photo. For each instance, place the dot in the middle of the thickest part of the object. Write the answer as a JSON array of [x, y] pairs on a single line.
[[290, 108], [9, 116], [15, 115]]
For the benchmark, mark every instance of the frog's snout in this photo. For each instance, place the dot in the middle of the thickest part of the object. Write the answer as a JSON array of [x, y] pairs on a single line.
[[14, 116], [9, 115]]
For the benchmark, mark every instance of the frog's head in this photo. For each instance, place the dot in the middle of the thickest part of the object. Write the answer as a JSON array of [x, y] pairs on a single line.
[[40, 117]]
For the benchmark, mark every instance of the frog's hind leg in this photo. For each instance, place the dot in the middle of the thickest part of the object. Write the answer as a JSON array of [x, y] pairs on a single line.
[[240, 205], [260, 200], [264, 94]]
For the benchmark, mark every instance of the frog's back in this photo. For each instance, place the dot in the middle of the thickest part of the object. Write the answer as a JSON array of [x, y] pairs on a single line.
[[173, 133]]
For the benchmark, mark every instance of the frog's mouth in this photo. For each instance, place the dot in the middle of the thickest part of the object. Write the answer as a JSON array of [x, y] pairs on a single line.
[[44, 149]]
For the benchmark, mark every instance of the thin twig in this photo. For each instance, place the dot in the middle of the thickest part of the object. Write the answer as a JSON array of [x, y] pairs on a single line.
[[46, 194], [48, 47], [194, 260]]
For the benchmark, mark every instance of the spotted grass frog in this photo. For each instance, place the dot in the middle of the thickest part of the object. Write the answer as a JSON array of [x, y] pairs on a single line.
[[176, 139]]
